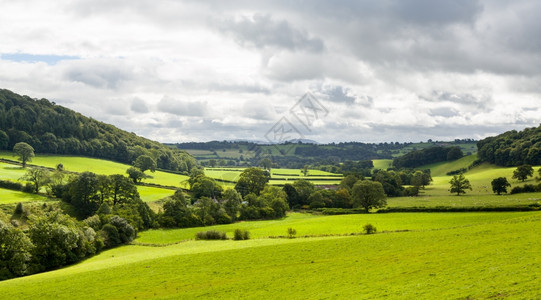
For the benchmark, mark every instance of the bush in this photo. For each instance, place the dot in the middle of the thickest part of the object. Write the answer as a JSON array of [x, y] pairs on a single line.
[[291, 232], [527, 188], [210, 235], [29, 188], [11, 185], [241, 234], [369, 229]]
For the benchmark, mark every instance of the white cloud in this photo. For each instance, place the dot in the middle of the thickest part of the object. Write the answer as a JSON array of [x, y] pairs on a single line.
[[191, 70]]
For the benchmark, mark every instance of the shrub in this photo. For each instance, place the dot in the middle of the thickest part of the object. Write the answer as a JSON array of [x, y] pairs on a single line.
[[369, 229], [241, 234], [11, 185], [210, 235], [19, 209], [291, 232], [29, 188]]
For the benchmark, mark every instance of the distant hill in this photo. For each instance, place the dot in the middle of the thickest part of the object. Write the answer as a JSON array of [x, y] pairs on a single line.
[[512, 148], [54, 129]]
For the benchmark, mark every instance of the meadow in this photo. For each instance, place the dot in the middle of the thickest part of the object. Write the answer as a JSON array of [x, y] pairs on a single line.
[[463, 255], [9, 197]]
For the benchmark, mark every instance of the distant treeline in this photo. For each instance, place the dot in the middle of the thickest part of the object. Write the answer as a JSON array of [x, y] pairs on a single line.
[[427, 156], [512, 148], [51, 128]]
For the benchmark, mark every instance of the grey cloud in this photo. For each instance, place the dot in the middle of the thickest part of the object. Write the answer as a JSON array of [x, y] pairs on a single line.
[[181, 108], [139, 106], [338, 94], [99, 74], [262, 31], [484, 103], [446, 112]]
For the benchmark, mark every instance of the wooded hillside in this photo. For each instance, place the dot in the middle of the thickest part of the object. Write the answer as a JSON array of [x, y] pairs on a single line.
[[54, 129]]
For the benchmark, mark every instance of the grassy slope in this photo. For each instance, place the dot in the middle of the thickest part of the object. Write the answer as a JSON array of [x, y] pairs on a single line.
[[9, 196], [475, 260], [98, 166], [437, 194], [307, 224]]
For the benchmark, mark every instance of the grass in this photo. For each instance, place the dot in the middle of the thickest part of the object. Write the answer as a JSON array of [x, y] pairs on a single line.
[[489, 255], [9, 196], [99, 166], [150, 194], [442, 168], [382, 164]]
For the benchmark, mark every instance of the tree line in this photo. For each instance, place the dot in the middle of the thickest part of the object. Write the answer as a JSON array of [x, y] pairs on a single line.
[[427, 156], [512, 148]]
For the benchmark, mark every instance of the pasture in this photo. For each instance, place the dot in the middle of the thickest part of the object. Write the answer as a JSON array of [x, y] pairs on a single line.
[[464, 255], [10, 196]]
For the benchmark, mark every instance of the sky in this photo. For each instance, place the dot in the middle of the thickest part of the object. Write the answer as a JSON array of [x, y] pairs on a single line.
[[328, 71]]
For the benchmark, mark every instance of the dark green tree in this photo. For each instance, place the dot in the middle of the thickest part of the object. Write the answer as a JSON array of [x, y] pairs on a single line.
[[83, 193], [145, 162], [252, 180], [500, 185], [206, 187], [15, 251], [135, 174], [523, 172], [24, 152], [368, 194], [292, 195], [459, 184]]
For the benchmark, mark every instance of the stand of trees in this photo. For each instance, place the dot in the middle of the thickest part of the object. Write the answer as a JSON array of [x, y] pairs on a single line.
[[51, 128], [427, 156], [512, 148]]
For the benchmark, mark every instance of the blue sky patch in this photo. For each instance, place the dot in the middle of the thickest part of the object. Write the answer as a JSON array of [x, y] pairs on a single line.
[[32, 58]]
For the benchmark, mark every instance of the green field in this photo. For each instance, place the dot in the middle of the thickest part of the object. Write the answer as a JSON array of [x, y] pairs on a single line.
[[278, 176], [99, 166], [9, 196], [461, 255]]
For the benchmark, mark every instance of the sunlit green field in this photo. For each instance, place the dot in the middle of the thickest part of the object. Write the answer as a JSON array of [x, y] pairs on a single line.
[[469, 256], [99, 166], [308, 224], [9, 196], [149, 193]]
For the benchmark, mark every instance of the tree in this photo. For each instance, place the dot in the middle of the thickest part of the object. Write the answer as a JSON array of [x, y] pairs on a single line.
[[38, 176], [304, 190], [459, 184], [83, 193], [252, 180], [4, 140], [454, 153], [305, 170], [368, 194], [135, 174], [24, 151], [206, 187], [499, 185], [266, 163], [523, 172], [122, 189], [292, 195], [349, 181], [417, 179], [15, 249], [145, 162]]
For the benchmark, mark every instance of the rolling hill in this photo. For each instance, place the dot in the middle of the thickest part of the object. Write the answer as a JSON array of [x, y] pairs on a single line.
[[54, 129]]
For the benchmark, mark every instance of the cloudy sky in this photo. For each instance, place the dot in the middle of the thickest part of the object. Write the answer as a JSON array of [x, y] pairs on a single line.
[[174, 71]]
